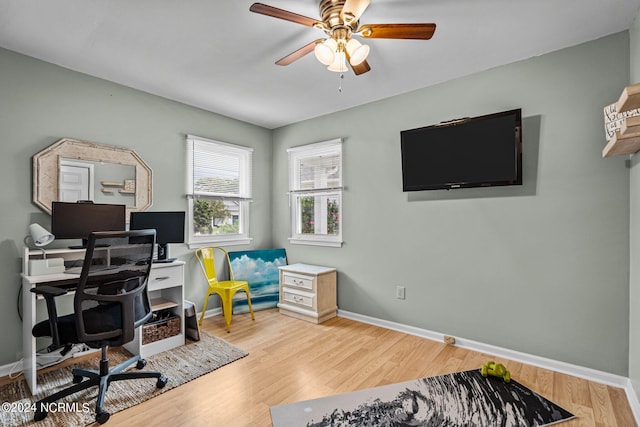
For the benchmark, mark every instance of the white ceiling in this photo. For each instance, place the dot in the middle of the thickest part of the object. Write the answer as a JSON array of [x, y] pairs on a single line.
[[219, 56]]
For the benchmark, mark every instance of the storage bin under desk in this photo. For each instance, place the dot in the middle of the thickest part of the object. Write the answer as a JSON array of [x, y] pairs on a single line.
[[166, 292]]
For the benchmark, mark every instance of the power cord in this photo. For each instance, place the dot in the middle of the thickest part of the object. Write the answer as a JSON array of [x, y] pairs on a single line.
[[12, 373], [18, 303], [52, 357], [47, 358]]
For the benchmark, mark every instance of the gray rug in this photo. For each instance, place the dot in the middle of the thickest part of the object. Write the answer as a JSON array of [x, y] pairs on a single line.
[[180, 365], [453, 400]]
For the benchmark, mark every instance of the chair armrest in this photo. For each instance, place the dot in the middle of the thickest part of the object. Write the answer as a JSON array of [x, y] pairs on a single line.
[[48, 291]]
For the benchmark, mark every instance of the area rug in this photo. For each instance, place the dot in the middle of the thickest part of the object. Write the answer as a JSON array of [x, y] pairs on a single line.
[[459, 399], [180, 365]]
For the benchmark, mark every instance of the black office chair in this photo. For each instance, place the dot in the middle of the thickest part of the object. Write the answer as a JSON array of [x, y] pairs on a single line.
[[110, 302]]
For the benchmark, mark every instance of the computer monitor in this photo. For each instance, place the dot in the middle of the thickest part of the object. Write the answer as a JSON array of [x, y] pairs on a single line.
[[78, 220], [169, 228]]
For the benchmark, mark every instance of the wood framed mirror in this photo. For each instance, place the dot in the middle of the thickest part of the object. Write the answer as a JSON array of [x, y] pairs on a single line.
[[71, 170]]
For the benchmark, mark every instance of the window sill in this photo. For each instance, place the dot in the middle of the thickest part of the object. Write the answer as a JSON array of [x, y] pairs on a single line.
[[310, 242], [221, 242]]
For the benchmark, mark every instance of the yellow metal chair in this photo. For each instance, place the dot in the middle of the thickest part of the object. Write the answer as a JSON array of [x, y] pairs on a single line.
[[225, 289]]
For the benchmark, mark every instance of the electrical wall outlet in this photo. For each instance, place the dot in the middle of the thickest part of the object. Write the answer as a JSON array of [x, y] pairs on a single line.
[[400, 292], [449, 340]]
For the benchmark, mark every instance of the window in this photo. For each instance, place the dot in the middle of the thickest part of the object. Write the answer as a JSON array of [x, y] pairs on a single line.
[[218, 191], [315, 185]]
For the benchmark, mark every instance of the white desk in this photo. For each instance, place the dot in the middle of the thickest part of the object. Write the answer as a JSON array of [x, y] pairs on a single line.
[[165, 284]]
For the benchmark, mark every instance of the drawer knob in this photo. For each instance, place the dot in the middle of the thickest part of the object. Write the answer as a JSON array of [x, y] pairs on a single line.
[[162, 278]]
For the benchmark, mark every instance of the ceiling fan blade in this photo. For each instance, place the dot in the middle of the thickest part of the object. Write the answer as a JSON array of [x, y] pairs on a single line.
[[398, 31], [294, 56], [361, 68], [353, 9], [282, 14]]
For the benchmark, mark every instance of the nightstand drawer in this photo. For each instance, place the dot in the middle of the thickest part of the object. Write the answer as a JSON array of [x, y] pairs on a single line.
[[298, 298], [165, 277], [298, 281]]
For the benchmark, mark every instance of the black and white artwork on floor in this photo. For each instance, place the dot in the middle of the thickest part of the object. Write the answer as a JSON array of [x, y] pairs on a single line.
[[458, 399]]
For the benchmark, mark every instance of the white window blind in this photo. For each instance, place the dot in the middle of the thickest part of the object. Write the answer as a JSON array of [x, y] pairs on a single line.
[[218, 170], [316, 167]]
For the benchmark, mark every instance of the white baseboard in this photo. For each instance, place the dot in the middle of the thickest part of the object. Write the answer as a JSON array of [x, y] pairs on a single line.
[[634, 401], [210, 313], [541, 362]]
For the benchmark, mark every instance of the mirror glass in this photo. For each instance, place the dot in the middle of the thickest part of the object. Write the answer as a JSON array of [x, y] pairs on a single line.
[[72, 170], [97, 181]]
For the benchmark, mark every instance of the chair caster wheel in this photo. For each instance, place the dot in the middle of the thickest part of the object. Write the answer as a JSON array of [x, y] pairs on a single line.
[[102, 417], [77, 379], [141, 364], [40, 415], [162, 381]]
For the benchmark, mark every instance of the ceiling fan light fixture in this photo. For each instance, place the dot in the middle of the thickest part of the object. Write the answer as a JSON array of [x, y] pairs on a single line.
[[357, 51], [339, 65], [339, 20], [325, 52]]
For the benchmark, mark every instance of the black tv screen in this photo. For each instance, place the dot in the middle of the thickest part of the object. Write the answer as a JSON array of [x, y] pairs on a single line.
[[481, 151], [78, 220]]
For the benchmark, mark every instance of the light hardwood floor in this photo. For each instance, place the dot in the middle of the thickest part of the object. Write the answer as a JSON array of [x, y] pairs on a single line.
[[291, 360]]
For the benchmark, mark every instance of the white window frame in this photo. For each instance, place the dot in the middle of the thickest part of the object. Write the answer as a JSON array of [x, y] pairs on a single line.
[[196, 144], [297, 190]]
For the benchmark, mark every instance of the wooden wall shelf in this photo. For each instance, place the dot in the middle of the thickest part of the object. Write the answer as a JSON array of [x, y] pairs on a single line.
[[618, 146], [629, 99], [627, 139]]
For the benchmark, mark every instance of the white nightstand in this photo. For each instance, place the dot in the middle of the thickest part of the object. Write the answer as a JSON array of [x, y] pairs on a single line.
[[308, 292]]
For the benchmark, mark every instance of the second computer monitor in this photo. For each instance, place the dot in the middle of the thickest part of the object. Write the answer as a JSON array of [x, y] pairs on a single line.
[[169, 228]]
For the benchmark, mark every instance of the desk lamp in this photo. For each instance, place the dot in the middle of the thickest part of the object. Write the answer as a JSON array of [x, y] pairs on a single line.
[[39, 235]]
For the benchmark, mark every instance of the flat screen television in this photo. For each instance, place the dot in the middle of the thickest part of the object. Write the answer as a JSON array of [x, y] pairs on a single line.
[[480, 151], [169, 228], [78, 220]]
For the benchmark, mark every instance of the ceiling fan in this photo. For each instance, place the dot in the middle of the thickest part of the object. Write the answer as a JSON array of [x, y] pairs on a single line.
[[340, 22]]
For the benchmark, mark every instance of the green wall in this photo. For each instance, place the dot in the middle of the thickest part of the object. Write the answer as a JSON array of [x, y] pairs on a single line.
[[542, 268], [41, 103], [634, 282]]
